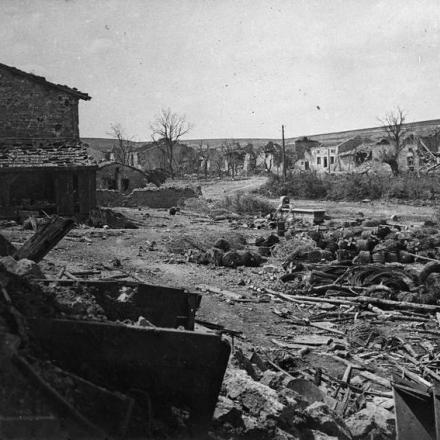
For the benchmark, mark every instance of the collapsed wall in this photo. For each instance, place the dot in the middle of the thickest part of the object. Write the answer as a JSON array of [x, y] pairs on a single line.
[[164, 197]]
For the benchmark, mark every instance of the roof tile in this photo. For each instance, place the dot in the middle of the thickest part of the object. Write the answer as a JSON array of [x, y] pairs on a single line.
[[45, 154]]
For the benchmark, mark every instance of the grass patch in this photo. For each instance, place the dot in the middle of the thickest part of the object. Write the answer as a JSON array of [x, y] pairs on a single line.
[[354, 187]]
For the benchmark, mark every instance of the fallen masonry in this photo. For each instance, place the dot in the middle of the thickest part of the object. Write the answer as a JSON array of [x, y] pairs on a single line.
[[99, 359], [357, 311]]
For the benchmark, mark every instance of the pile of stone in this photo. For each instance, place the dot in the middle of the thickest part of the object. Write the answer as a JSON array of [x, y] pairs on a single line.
[[362, 244], [260, 400], [221, 254]]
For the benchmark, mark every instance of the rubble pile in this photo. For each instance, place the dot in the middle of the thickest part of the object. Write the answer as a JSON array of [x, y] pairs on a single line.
[[226, 258], [382, 262], [363, 312], [341, 313], [44, 388], [182, 243], [106, 217], [259, 399], [228, 252]]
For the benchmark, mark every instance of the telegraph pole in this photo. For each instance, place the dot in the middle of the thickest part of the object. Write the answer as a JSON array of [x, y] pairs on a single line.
[[284, 154]]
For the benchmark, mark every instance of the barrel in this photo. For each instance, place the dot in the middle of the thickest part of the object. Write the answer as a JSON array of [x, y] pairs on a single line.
[[379, 257], [343, 255], [364, 257], [392, 257], [362, 245], [405, 257]]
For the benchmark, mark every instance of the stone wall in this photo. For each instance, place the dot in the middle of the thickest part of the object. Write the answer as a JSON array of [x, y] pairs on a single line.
[[152, 198], [121, 177], [32, 110]]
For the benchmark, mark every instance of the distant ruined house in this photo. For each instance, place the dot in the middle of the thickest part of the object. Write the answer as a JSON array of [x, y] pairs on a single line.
[[43, 164], [360, 155], [304, 159], [125, 178], [362, 150]]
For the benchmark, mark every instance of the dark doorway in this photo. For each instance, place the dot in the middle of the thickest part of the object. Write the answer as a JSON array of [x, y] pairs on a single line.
[[34, 190], [75, 193]]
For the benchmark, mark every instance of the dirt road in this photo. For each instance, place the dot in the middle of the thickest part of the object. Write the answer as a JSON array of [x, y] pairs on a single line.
[[217, 189]]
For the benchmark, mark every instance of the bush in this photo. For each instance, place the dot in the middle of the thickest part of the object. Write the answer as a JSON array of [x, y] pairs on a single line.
[[305, 185], [246, 204], [353, 187], [309, 185], [411, 187]]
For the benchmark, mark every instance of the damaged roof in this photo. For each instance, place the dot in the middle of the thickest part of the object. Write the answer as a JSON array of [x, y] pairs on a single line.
[[44, 154], [45, 82], [349, 144], [362, 148]]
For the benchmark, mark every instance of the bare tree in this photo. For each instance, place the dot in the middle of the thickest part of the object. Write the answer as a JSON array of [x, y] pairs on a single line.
[[167, 129], [234, 155], [123, 148], [251, 158], [218, 161], [393, 124], [205, 154], [272, 156]]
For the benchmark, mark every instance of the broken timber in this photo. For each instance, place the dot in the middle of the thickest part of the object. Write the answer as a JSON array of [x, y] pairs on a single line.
[[358, 299], [39, 245]]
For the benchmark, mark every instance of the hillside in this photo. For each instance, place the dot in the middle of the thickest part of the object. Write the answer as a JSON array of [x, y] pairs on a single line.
[[105, 144], [217, 143], [421, 128]]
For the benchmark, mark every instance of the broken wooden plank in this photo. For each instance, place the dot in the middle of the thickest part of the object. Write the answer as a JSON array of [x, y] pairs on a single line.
[[421, 257], [415, 377], [362, 372], [328, 378], [40, 244], [375, 378], [341, 405], [312, 340], [227, 293], [394, 304], [432, 373], [60, 274], [85, 272], [325, 326], [218, 327], [277, 367], [301, 298], [72, 277], [290, 345]]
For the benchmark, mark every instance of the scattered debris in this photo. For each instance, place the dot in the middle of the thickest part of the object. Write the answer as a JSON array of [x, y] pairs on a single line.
[[52, 336], [106, 217]]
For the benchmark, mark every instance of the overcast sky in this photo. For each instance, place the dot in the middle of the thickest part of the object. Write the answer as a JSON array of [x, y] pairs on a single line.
[[234, 68]]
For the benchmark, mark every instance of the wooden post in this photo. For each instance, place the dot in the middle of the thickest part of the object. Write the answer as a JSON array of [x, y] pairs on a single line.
[[284, 154], [39, 245]]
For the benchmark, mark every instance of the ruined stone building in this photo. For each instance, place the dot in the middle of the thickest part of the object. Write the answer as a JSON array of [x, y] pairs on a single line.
[[364, 149], [120, 177], [43, 164]]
